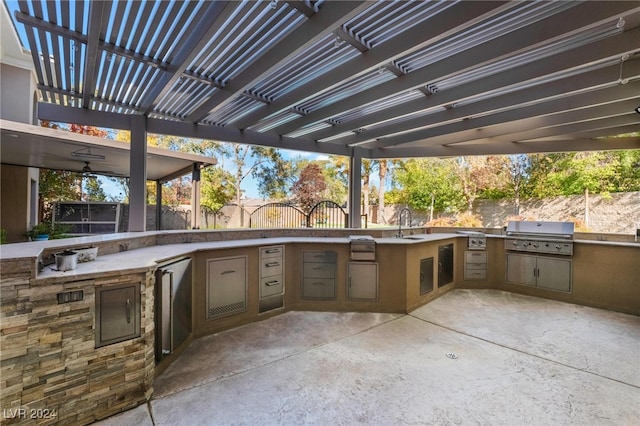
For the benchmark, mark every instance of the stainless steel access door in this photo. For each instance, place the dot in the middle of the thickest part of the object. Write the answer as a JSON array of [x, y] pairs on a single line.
[[174, 307]]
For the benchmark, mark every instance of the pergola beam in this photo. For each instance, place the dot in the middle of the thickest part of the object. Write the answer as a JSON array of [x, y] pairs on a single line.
[[318, 26]]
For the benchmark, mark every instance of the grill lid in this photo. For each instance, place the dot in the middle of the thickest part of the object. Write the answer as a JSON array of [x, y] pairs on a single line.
[[535, 229]]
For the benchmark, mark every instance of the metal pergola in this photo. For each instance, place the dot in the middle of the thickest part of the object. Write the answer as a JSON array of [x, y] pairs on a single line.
[[364, 79]]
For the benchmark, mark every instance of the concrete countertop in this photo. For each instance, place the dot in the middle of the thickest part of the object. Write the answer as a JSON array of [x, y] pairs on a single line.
[[33, 249], [149, 257], [143, 258]]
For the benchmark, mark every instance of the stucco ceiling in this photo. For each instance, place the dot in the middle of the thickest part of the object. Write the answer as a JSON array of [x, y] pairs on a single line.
[[390, 79]]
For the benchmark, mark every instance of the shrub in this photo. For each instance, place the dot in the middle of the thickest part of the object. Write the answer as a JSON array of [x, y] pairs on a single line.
[[468, 220], [441, 221]]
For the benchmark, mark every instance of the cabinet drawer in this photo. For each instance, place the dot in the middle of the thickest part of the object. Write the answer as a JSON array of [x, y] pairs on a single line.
[[269, 267], [320, 256], [482, 266], [319, 270], [270, 252], [271, 285], [475, 274], [318, 288], [475, 257]]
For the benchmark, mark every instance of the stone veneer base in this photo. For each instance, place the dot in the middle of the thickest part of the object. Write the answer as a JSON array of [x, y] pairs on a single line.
[[51, 372]]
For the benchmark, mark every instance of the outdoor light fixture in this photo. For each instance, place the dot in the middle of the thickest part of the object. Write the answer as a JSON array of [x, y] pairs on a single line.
[[86, 153]]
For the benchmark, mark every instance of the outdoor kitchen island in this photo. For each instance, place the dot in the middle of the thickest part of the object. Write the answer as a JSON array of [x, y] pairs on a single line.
[[52, 359]]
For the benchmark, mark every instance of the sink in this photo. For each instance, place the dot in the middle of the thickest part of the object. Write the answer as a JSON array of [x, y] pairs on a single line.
[[416, 237]]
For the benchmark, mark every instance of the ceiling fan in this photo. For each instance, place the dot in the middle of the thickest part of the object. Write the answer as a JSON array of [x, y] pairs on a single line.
[[88, 172]]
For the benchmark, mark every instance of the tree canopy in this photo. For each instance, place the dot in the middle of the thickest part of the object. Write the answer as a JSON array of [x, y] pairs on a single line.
[[449, 186], [309, 189]]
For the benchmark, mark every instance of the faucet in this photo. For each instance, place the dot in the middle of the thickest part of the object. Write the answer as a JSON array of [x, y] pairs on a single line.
[[400, 216]]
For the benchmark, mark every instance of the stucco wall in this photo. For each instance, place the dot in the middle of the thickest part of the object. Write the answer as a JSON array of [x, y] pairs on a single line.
[[15, 193], [17, 91]]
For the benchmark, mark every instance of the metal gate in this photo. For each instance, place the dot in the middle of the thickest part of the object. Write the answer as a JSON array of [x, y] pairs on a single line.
[[277, 215], [325, 214]]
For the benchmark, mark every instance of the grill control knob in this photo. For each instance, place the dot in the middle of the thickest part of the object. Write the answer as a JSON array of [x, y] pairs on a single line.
[[558, 246], [515, 243], [535, 245]]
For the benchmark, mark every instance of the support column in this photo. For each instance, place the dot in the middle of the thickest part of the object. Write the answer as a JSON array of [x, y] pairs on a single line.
[[355, 188], [195, 197], [158, 205], [138, 174]]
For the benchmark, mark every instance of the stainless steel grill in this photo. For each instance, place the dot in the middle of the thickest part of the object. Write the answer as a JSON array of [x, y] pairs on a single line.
[[540, 237]]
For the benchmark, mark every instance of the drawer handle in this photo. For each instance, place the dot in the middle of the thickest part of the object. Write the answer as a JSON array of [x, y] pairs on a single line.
[[272, 251], [318, 283], [272, 264], [128, 311], [228, 272], [319, 268], [272, 283]]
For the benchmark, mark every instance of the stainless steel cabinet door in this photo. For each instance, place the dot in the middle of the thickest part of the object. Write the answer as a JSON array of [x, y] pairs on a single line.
[[226, 286], [426, 275], [554, 274], [445, 264], [362, 281], [117, 313], [173, 313], [521, 269]]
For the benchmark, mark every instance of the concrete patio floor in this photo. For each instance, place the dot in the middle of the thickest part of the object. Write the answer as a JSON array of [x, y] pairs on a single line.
[[469, 357]]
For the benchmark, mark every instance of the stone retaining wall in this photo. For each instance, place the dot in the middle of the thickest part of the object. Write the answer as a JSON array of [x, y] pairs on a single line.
[[618, 213]]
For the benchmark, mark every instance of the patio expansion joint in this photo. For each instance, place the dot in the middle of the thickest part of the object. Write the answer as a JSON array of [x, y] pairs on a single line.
[[522, 352]]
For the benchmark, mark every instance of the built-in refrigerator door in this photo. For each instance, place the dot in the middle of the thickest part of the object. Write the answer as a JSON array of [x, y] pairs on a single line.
[[174, 308]]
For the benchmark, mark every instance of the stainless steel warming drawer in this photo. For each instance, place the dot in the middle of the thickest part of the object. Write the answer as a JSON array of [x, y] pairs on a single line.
[[362, 247]]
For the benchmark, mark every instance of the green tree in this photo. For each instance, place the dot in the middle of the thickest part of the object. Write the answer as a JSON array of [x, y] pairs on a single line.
[[93, 190], [422, 179], [56, 185], [336, 175], [217, 189], [274, 174]]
